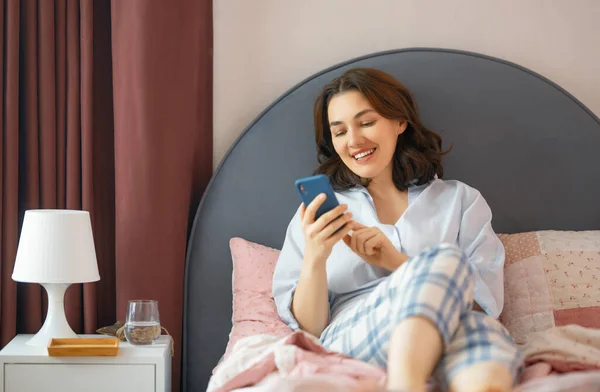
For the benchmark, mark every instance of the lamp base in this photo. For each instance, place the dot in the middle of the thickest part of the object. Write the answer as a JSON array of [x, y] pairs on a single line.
[[55, 325]]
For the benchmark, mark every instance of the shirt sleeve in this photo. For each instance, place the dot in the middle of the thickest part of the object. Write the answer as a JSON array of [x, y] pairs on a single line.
[[287, 271], [484, 251]]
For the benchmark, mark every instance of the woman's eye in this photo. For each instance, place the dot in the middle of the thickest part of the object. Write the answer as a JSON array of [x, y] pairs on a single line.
[[367, 123], [339, 133]]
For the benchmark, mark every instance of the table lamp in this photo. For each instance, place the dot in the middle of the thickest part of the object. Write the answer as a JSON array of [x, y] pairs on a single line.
[[56, 249]]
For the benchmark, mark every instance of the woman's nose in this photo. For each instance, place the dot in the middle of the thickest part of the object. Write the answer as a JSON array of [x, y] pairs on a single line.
[[354, 137]]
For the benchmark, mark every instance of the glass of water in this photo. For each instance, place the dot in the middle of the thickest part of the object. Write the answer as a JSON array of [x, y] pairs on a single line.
[[142, 325]]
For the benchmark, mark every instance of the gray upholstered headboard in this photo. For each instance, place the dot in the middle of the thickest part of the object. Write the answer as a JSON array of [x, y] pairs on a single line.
[[525, 143]]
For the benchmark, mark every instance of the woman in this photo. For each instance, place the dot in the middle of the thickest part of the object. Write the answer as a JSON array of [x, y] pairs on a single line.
[[413, 279]]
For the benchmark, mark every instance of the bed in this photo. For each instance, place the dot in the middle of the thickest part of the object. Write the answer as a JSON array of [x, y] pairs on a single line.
[[529, 146]]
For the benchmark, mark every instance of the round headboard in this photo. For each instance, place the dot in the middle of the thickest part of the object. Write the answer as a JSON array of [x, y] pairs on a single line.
[[529, 146]]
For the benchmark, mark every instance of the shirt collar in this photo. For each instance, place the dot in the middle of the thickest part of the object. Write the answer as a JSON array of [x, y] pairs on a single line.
[[412, 185]]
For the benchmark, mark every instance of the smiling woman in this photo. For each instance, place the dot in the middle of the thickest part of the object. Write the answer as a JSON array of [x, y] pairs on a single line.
[[396, 286], [366, 124], [365, 141]]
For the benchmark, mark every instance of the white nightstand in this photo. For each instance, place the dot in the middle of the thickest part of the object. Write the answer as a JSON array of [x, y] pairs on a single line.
[[136, 368]]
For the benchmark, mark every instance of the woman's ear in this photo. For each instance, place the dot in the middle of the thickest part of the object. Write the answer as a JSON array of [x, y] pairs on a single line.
[[402, 125]]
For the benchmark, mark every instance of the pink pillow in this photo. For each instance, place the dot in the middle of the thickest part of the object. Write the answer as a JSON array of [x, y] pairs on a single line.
[[551, 278], [254, 310]]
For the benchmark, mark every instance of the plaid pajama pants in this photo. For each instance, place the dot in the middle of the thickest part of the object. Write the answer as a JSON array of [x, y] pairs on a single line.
[[438, 285]]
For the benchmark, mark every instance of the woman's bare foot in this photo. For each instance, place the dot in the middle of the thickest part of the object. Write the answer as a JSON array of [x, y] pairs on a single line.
[[483, 377]]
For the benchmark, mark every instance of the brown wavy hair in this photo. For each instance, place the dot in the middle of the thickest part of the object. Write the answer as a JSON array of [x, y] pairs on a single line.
[[418, 155]]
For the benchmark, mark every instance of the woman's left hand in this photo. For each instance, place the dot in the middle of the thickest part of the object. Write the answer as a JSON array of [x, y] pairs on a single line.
[[373, 246]]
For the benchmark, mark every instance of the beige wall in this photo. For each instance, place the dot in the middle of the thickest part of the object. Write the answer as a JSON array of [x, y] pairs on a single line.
[[263, 47]]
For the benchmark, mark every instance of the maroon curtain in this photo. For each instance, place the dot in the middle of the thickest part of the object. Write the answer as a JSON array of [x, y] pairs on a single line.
[[67, 66], [56, 153], [162, 69]]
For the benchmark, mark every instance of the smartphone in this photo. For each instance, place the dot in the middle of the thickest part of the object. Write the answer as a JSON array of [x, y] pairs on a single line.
[[310, 187]]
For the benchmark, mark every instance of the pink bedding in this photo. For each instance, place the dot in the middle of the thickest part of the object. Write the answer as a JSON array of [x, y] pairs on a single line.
[[559, 359], [295, 356], [588, 381]]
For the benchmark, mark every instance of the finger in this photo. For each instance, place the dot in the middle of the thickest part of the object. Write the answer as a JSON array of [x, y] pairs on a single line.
[[343, 233], [359, 226], [311, 209], [330, 216], [353, 239], [335, 225], [347, 240], [361, 236], [302, 211], [373, 244], [365, 238]]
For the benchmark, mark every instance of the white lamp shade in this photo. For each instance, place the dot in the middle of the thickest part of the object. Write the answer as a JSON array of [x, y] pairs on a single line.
[[56, 246]]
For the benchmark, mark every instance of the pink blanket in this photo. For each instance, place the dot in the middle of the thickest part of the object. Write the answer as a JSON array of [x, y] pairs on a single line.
[[569, 349], [298, 355], [298, 362]]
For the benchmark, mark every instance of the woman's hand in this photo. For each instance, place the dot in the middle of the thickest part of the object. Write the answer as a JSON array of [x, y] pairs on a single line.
[[373, 246], [320, 235]]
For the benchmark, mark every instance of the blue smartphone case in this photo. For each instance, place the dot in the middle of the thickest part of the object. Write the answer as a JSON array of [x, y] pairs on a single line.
[[310, 187]]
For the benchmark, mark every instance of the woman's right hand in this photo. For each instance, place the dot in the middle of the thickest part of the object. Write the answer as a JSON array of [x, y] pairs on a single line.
[[320, 235]]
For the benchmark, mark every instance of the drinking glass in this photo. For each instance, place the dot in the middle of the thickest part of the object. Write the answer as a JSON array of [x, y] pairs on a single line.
[[142, 325]]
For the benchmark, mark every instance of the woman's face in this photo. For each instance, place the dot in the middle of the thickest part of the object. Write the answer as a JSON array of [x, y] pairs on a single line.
[[364, 139]]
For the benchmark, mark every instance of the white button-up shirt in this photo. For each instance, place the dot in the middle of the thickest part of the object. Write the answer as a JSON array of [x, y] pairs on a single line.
[[441, 211]]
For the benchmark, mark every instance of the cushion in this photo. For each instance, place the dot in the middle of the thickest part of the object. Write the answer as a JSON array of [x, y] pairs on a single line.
[[254, 310], [551, 278]]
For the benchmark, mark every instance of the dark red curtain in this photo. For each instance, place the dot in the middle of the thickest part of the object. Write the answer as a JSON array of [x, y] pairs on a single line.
[[107, 108], [162, 82]]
